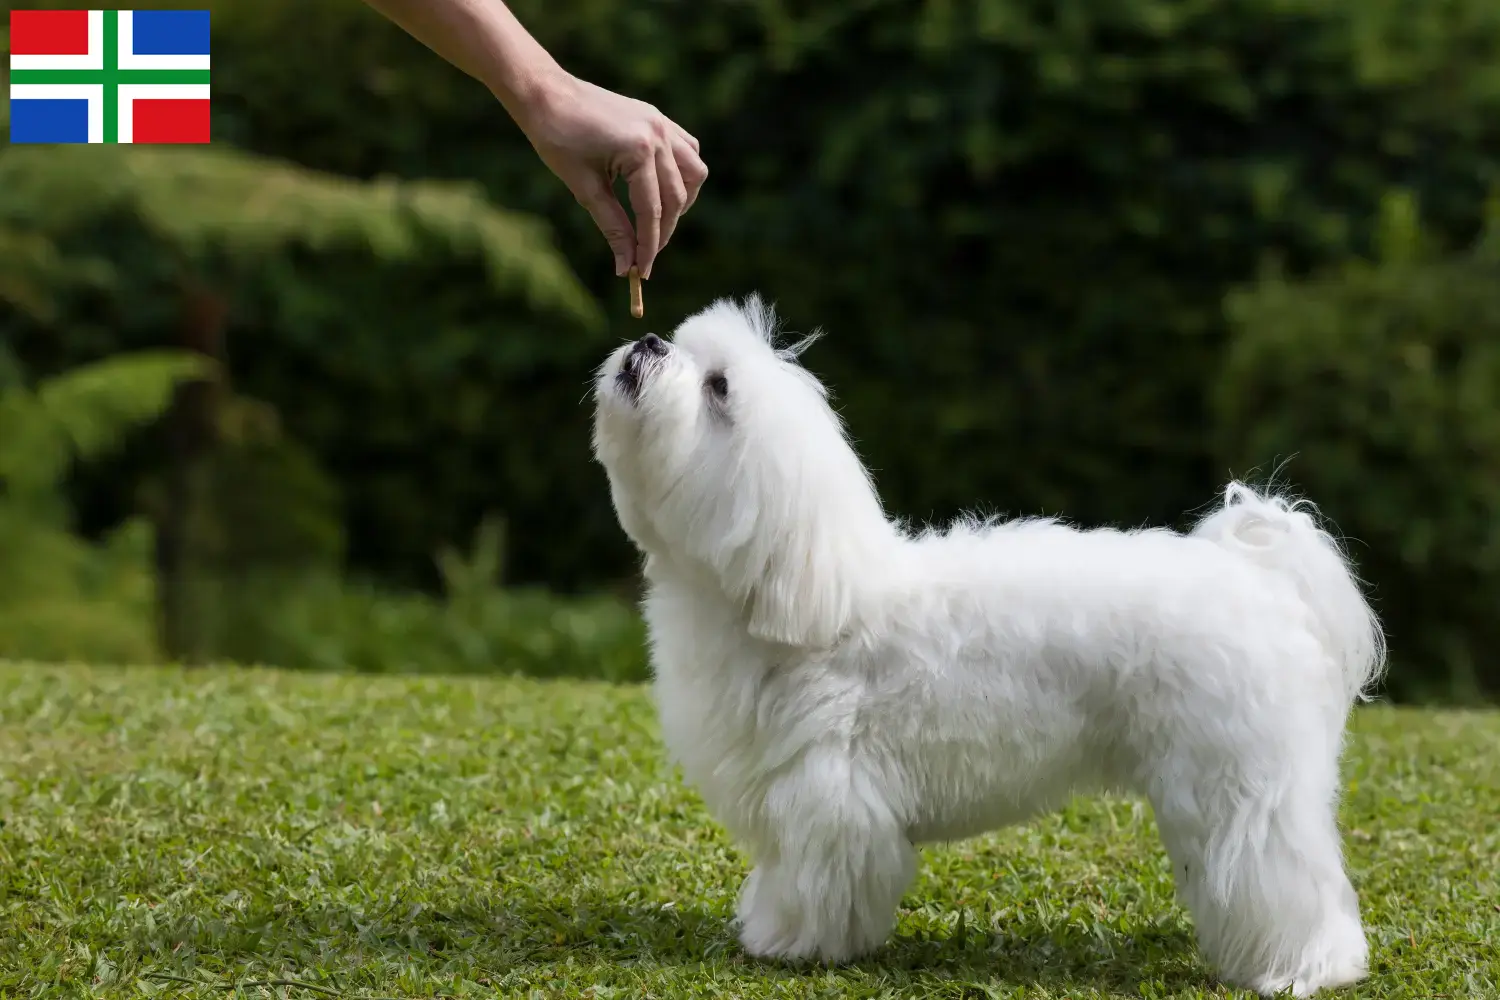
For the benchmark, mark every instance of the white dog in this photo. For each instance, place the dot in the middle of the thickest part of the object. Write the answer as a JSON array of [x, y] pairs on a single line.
[[839, 689]]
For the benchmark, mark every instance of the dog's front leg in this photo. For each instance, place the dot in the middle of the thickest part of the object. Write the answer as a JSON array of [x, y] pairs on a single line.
[[832, 870]]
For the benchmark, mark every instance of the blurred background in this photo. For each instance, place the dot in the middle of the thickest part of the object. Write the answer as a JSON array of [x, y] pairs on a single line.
[[314, 396]]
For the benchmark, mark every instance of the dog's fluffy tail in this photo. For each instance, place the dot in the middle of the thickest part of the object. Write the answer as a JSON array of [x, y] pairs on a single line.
[[1285, 537]]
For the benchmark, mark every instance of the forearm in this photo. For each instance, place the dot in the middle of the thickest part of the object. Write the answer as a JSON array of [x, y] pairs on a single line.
[[484, 39]]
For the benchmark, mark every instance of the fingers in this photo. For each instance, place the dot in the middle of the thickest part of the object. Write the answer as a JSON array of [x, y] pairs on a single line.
[[598, 197], [660, 163], [674, 194], [690, 168], [646, 202], [661, 190]]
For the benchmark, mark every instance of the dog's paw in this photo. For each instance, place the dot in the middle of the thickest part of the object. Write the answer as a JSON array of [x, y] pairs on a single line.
[[1330, 977], [775, 922], [1323, 975], [773, 936], [766, 941], [766, 934], [786, 945], [764, 931]]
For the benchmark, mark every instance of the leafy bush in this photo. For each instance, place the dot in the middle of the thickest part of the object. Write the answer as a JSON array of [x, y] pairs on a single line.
[[325, 623], [62, 598], [155, 245], [331, 624], [66, 600], [1384, 380], [1017, 218]]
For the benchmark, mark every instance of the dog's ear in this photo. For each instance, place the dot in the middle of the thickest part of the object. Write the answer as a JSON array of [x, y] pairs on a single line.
[[802, 597]]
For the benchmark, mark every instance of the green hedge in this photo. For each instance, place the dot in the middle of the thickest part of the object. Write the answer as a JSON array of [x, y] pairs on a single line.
[[1381, 384], [405, 333], [323, 623], [1018, 220], [317, 621]]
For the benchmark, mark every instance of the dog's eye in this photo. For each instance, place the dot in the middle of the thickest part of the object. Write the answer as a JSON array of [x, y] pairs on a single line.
[[717, 384]]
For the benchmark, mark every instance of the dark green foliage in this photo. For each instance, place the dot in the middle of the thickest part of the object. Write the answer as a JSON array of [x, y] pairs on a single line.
[[203, 215], [319, 622], [323, 623], [1017, 219], [265, 547], [1384, 379], [418, 296], [80, 416], [212, 207], [158, 245], [28, 263], [62, 598], [304, 620]]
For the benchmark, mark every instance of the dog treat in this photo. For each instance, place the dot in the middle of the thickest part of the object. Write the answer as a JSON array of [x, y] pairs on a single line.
[[637, 307]]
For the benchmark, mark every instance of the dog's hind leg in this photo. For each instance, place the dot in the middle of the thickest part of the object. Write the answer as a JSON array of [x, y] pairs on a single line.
[[834, 866], [1259, 865]]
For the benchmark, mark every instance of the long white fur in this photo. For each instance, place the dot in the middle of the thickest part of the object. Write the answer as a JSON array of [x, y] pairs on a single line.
[[840, 689]]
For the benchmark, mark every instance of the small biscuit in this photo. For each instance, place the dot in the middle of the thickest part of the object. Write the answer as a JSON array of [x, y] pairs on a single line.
[[637, 307]]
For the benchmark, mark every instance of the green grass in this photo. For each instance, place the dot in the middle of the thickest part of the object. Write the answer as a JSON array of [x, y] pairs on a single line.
[[419, 837]]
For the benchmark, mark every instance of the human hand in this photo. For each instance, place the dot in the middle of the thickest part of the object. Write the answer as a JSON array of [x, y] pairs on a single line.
[[589, 136]]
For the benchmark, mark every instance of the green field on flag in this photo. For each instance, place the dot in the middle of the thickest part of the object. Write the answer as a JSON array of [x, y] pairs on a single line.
[[111, 76]]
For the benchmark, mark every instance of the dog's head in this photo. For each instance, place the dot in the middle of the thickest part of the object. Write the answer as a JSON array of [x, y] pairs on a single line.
[[724, 456]]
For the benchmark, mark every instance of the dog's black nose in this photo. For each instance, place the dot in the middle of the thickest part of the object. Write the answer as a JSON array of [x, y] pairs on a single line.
[[652, 344]]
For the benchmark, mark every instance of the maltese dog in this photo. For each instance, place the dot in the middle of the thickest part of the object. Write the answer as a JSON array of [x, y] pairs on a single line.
[[840, 689]]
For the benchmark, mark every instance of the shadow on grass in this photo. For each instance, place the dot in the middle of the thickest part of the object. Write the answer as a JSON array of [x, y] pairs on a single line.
[[485, 937]]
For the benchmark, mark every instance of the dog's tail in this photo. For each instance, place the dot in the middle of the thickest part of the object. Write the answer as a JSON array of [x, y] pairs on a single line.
[[1285, 537]]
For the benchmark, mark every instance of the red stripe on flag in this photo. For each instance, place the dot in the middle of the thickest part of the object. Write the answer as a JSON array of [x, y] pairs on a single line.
[[49, 32], [169, 120]]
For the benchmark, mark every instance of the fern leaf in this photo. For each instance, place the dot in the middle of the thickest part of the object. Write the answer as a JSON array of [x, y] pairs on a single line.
[[96, 405]]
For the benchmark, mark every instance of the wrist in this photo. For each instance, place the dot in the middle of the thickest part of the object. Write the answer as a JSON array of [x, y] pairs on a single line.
[[530, 90]]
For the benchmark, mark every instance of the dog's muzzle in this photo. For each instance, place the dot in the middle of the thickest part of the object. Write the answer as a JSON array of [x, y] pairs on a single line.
[[644, 355]]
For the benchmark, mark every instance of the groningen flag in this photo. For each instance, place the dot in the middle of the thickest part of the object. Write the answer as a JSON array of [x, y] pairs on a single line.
[[109, 76]]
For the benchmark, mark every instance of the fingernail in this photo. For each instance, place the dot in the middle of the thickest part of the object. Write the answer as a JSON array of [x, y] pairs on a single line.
[[621, 267]]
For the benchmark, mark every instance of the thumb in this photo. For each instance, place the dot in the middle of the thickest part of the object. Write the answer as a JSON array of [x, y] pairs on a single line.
[[609, 215]]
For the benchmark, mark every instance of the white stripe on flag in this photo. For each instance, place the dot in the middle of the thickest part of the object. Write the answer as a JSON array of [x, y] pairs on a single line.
[[129, 60], [94, 60], [131, 92], [91, 92]]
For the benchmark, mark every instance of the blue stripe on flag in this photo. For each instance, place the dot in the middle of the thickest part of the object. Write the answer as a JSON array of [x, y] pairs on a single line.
[[49, 120], [170, 32]]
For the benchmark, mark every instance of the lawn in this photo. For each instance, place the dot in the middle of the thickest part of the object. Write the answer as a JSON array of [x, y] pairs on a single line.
[[174, 834]]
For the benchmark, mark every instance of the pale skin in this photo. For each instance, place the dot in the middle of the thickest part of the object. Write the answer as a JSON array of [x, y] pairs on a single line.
[[587, 135]]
